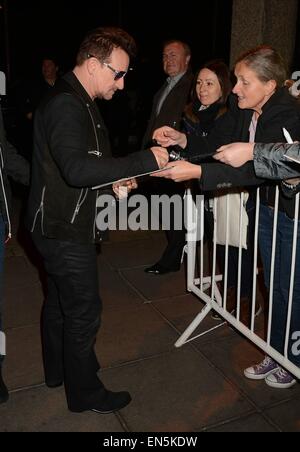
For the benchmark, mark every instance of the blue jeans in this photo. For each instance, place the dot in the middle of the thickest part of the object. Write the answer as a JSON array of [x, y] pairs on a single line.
[[285, 231], [2, 250]]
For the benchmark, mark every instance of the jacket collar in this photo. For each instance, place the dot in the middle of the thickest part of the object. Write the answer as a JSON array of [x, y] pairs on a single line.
[[72, 80], [280, 97], [75, 84]]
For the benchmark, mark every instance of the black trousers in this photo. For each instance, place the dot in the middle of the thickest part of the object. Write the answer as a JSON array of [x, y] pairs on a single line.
[[171, 257], [70, 319]]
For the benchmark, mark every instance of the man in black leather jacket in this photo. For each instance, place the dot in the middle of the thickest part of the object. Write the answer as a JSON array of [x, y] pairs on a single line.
[[13, 165], [71, 155]]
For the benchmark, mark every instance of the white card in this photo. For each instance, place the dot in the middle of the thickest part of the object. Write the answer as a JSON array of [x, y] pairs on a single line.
[[131, 177], [287, 136]]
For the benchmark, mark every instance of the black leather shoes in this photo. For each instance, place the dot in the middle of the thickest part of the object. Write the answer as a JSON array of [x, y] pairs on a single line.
[[3, 389], [111, 402], [53, 384], [158, 269], [114, 401]]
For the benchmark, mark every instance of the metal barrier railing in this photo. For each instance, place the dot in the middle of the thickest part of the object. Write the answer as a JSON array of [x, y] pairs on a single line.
[[200, 284]]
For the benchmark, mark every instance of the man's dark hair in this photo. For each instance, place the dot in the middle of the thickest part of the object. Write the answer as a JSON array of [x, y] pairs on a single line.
[[102, 41], [49, 57]]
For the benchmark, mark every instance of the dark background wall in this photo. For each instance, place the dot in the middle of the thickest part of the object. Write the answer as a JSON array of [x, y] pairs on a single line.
[[35, 28]]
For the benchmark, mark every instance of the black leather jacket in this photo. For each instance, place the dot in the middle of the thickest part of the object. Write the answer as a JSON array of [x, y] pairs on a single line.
[[270, 161], [71, 155]]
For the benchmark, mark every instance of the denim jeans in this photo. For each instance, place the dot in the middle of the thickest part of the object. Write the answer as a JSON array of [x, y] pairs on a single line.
[[70, 319], [2, 250], [282, 279]]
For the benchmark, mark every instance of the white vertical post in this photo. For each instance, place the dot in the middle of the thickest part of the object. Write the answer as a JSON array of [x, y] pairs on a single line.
[[255, 258], [238, 307], [213, 282], [226, 253], [202, 213], [272, 267]]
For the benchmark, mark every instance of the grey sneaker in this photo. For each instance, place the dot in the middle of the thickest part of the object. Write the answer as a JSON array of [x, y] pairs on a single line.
[[281, 379], [262, 370]]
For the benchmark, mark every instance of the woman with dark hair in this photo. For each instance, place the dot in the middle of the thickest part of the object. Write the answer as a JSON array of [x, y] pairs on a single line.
[[262, 108], [209, 94], [210, 91]]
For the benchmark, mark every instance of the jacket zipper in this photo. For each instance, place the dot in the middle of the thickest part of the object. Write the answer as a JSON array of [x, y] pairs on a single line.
[[4, 196], [80, 201], [98, 154], [40, 209], [95, 132]]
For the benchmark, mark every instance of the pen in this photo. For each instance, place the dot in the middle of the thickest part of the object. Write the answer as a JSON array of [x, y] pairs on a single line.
[[287, 136]]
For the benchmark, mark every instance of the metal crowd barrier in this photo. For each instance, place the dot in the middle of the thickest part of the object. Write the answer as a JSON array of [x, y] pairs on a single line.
[[199, 284]]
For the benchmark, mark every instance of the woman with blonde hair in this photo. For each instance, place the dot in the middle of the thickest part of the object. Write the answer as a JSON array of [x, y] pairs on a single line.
[[261, 109]]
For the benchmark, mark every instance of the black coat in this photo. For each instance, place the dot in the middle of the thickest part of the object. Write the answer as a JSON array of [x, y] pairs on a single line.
[[11, 164], [172, 108], [71, 155], [282, 110]]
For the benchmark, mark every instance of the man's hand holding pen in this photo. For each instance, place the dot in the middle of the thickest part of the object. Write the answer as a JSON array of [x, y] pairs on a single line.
[[123, 188], [181, 170]]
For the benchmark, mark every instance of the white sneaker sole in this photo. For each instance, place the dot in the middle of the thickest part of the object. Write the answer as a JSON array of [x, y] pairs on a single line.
[[252, 376], [273, 384]]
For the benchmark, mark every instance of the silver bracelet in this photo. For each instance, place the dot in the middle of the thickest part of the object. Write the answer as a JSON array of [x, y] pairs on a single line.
[[290, 186]]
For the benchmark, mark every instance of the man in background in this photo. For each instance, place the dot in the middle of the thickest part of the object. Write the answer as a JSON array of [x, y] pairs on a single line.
[[168, 105]]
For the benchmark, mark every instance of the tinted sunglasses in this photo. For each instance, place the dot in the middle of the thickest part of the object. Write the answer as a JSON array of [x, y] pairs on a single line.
[[118, 74]]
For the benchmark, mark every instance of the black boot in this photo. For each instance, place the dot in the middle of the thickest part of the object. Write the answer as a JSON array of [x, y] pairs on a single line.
[[3, 389]]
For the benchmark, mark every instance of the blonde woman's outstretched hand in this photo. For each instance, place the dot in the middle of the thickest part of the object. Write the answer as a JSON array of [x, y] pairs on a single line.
[[235, 154], [180, 171]]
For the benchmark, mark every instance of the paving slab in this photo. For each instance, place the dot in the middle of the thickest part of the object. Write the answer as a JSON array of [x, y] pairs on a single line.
[[176, 392], [132, 334], [255, 423], [115, 292], [23, 364], [44, 410], [19, 273], [287, 414], [154, 287], [22, 305]]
